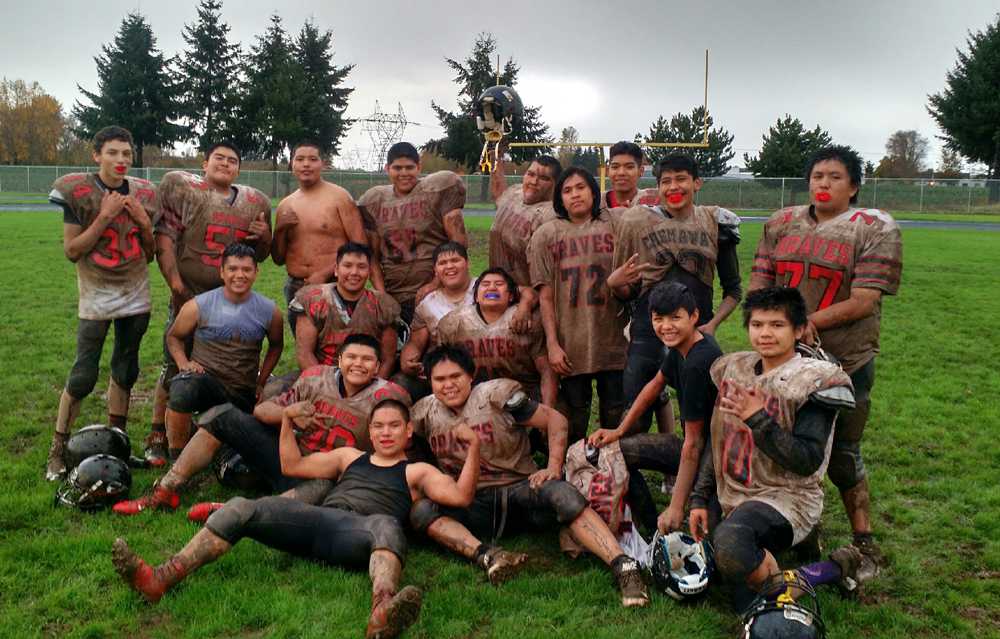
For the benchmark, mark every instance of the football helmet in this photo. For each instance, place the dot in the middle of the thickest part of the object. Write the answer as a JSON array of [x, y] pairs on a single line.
[[785, 608], [232, 471], [496, 110], [96, 482], [681, 566], [97, 439]]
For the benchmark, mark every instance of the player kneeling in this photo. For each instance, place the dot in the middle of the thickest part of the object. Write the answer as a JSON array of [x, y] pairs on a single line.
[[512, 492], [359, 523], [770, 448]]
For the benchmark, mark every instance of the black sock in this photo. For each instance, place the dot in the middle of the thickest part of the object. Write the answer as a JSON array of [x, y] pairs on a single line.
[[617, 562], [158, 428], [480, 554], [117, 421], [861, 539]]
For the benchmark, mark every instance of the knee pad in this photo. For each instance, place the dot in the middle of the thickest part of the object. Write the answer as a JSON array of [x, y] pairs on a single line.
[[423, 513], [736, 552], [846, 467], [125, 371], [81, 381], [183, 393], [565, 500], [387, 534], [229, 521]]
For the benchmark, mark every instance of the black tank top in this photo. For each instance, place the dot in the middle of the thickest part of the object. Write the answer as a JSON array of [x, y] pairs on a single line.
[[368, 489]]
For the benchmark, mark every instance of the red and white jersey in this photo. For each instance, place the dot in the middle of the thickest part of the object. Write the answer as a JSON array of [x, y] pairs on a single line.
[[860, 248], [335, 320]]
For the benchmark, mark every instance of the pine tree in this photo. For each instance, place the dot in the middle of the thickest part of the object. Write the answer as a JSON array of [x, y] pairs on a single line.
[[208, 68], [323, 100], [135, 89], [712, 161], [786, 148], [463, 142]]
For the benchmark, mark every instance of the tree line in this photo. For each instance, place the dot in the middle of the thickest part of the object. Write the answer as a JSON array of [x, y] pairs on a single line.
[[286, 87]]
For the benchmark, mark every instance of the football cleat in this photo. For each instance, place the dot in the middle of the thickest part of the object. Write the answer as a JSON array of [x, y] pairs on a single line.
[[631, 585], [200, 512], [391, 615], [500, 565], [161, 499]]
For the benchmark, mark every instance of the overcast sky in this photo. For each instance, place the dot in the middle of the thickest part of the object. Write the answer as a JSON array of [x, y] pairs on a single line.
[[859, 69]]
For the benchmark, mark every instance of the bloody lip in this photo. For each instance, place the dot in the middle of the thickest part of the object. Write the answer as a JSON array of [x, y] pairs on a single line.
[[822, 196], [120, 169], [675, 198]]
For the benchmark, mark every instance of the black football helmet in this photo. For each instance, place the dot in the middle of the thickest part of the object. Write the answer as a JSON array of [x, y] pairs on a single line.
[[232, 471], [785, 608], [97, 439], [497, 108], [681, 566], [96, 482]]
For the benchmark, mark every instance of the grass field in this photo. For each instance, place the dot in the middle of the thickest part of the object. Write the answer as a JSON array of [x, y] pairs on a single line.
[[932, 451]]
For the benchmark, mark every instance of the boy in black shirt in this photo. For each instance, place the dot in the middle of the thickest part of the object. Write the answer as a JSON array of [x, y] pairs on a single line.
[[674, 314]]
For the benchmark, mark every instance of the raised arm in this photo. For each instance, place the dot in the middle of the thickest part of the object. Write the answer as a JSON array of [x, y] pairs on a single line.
[[326, 465]]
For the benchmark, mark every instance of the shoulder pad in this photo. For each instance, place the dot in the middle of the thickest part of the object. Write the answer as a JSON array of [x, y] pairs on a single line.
[[834, 397], [516, 401]]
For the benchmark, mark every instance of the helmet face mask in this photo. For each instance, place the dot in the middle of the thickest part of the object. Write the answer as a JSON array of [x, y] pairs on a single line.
[[496, 110], [681, 566], [97, 482], [786, 608]]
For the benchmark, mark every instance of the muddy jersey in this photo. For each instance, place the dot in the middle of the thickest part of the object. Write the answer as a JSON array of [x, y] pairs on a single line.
[[511, 230], [338, 420], [497, 350], [860, 248], [504, 452], [228, 337], [743, 472], [335, 318], [646, 197], [202, 222], [433, 307], [113, 278], [410, 227], [575, 260]]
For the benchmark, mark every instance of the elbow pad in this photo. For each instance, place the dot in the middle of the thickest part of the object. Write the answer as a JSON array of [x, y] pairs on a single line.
[[520, 406], [835, 397]]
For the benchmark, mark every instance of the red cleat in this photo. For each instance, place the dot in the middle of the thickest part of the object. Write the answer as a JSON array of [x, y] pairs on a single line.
[[150, 582], [161, 499], [200, 512]]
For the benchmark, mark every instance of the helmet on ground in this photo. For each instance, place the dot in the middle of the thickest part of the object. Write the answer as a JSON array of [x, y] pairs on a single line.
[[97, 439], [681, 566], [96, 482], [785, 608], [495, 105]]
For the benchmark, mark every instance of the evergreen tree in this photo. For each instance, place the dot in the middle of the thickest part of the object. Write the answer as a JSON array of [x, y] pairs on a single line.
[[323, 100], [269, 107], [208, 68], [463, 142], [786, 148], [135, 89], [712, 161]]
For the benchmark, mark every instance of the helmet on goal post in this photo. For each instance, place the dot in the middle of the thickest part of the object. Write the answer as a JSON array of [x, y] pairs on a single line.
[[497, 106]]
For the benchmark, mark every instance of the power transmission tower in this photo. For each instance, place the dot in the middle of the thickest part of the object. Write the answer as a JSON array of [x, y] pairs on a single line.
[[384, 130]]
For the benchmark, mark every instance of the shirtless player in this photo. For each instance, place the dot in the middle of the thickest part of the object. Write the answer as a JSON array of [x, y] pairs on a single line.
[[311, 225]]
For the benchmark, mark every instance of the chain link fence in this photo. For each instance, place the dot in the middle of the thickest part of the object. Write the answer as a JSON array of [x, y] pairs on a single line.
[[752, 194]]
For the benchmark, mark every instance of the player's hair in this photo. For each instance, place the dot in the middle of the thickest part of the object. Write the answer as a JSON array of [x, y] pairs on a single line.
[[353, 248], [239, 249], [626, 148], [515, 294], [449, 353], [549, 162], [402, 150], [568, 172], [311, 143], [776, 298], [677, 162], [363, 340], [667, 297], [225, 144], [846, 156], [450, 247], [395, 404], [110, 133]]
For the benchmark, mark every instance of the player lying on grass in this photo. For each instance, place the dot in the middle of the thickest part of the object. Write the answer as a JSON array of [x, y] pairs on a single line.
[[360, 522], [333, 404], [685, 368], [486, 330], [312, 223], [345, 307], [571, 256], [108, 221], [226, 327], [201, 217], [413, 216], [843, 260], [512, 493], [770, 438], [675, 241]]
